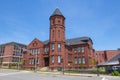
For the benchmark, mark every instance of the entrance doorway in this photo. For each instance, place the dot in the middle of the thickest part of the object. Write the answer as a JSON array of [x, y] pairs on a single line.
[[46, 60]]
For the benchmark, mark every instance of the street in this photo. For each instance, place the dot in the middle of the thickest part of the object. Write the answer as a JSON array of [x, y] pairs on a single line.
[[25, 75]]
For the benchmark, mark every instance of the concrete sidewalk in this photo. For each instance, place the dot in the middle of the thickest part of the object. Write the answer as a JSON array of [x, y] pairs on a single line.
[[78, 74]]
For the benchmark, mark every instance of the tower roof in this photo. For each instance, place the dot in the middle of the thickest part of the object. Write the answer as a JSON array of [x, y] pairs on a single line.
[[57, 12]]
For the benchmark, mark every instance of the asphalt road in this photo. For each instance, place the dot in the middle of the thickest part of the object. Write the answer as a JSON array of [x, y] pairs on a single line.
[[22, 75]]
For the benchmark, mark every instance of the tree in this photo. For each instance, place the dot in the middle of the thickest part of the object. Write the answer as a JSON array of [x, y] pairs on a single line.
[[93, 62]]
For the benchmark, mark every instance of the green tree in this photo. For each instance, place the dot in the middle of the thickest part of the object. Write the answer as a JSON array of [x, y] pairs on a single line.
[[93, 62]]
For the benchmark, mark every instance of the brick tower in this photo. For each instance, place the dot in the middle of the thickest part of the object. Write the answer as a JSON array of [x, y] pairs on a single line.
[[57, 40]]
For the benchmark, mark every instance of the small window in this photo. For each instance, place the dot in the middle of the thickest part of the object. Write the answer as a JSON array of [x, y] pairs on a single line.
[[59, 46], [58, 22], [53, 34], [52, 22], [79, 60], [35, 44], [52, 47], [75, 60], [37, 61], [45, 50], [83, 49], [52, 59], [83, 60], [75, 50], [59, 59], [59, 33], [69, 56], [38, 50], [78, 49]]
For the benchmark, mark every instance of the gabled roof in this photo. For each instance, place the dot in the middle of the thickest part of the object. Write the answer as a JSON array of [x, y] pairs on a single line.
[[74, 41], [57, 12], [35, 39]]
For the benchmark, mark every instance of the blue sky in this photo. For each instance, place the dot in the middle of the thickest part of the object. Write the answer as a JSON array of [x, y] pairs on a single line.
[[23, 20]]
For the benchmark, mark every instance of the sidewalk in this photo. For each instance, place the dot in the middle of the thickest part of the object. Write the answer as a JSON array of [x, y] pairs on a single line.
[[78, 74]]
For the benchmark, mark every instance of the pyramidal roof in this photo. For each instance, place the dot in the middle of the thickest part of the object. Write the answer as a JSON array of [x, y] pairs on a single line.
[[57, 12]]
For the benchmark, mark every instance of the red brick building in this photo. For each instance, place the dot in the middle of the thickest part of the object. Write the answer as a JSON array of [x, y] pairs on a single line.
[[106, 55], [9, 53], [58, 52]]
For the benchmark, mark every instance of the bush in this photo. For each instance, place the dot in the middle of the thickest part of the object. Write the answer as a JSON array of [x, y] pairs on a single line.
[[102, 70], [115, 73]]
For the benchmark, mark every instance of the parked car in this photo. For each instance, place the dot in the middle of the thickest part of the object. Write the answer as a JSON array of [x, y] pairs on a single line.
[[116, 68], [113, 68]]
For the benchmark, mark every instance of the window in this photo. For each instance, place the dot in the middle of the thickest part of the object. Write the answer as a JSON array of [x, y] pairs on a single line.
[[52, 22], [83, 49], [69, 56], [75, 60], [75, 50], [79, 60], [29, 61], [59, 59], [32, 61], [35, 44], [53, 34], [53, 47], [52, 59], [59, 46], [33, 51], [37, 61], [83, 60], [58, 33], [78, 49], [38, 50], [45, 50], [58, 21]]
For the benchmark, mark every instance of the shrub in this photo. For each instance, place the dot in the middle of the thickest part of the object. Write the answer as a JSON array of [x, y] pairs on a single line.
[[102, 70], [115, 73]]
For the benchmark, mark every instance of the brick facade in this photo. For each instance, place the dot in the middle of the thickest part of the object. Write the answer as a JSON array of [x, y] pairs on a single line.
[[8, 52], [103, 56], [58, 52]]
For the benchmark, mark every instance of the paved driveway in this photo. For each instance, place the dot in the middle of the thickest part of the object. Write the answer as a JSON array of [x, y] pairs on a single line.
[[23, 75]]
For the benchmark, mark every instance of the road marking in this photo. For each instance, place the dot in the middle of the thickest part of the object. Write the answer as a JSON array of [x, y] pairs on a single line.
[[104, 78], [5, 74]]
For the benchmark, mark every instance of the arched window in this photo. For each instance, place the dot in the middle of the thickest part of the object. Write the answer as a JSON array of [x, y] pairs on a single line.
[[53, 34], [58, 33], [58, 22]]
